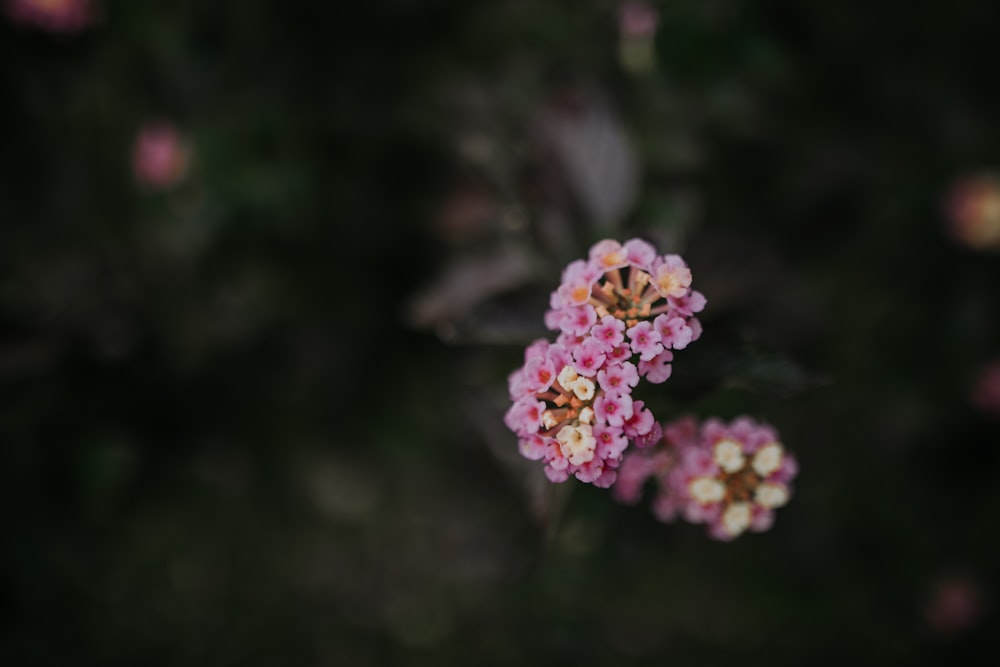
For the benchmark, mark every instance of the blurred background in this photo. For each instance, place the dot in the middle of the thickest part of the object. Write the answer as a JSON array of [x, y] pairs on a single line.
[[265, 268]]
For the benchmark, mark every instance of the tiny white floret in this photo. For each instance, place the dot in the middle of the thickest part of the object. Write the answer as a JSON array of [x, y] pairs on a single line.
[[577, 443], [584, 389], [768, 459], [729, 455], [567, 376], [707, 490], [771, 495], [736, 518]]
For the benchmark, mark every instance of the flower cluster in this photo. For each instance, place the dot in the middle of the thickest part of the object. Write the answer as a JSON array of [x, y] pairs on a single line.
[[620, 315], [729, 476], [628, 292]]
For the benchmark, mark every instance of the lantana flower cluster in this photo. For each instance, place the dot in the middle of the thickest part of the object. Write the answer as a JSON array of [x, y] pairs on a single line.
[[620, 314], [731, 477]]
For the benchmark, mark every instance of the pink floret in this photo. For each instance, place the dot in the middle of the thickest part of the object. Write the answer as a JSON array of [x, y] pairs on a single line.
[[610, 441], [632, 475], [610, 332], [532, 448], [590, 471], [640, 253], [608, 255], [645, 341], [613, 409], [674, 332], [588, 357], [577, 320], [61, 16], [671, 276], [641, 422], [658, 369], [618, 377], [689, 304], [159, 157], [556, 476]]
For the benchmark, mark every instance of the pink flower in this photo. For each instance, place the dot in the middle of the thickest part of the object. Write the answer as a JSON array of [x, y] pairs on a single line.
[[689, 304], [986, 390], [632, 474], [525, 416], [554, 456], [578, 320], [618, 378], [518, 385], [645, 340], [159, 157], [955, 604], [638, 19], [552, 319], [556, 475], [730, 476], [640, 253], [666, 507], [699, 462], [695, 327], [610, 331], [650, 439], [590, 471], [682, 432], [671, 276], [627, 288], [657, 370], [620, 354], [607, 478], [607, 255], [610, 441], [973, 210], [577, 280], [588, 357], [674, 331], [572, 399], [613, 408], [58, 16], [640, 423], [559, 355], [532, 448], [540, 372]]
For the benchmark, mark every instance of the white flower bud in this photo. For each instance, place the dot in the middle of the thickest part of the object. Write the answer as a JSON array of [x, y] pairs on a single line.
[[771, 495], [736, 518], [567, 376], [583, 388], [729, 455], [768, 459], [707, 490]]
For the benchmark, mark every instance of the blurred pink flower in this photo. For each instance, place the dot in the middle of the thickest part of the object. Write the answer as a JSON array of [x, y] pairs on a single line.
[[973, 210], [160, 156], [731, 477], [986, 390], [637, 23], [955, 603], [637, 19], [63, 16]]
